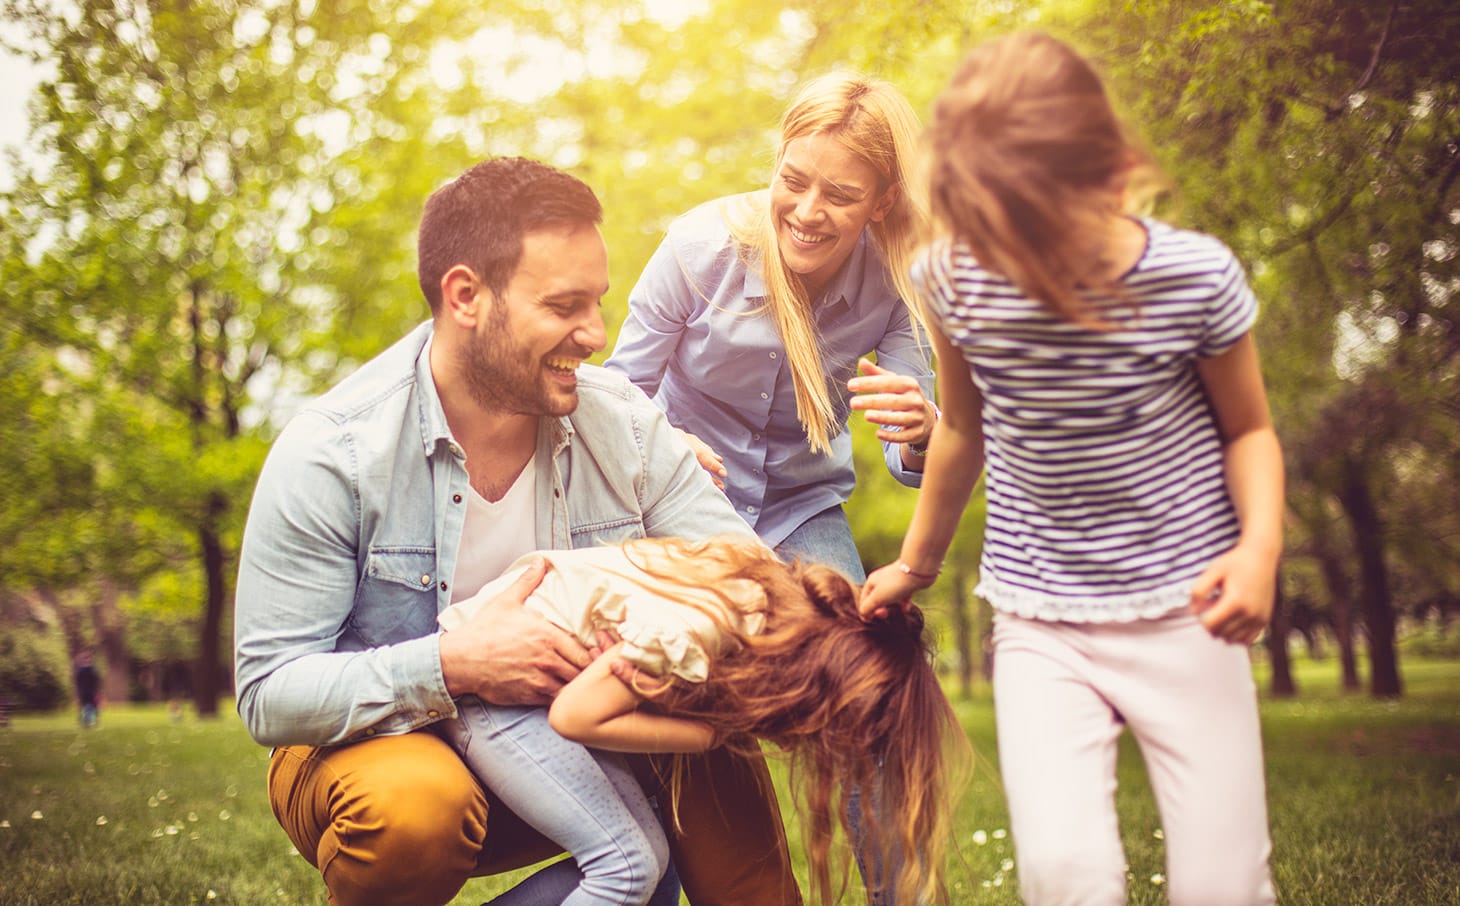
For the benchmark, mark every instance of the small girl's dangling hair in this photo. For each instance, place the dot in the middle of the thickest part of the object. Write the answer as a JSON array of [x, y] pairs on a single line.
[[857, 706], [1029, 162]]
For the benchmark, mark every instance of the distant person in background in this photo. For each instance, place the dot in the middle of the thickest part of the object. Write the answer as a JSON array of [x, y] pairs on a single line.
[[88, 687]]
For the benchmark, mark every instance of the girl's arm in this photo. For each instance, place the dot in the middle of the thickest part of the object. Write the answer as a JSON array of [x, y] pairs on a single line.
[[1234, 595], [600, 710], [954, 462]]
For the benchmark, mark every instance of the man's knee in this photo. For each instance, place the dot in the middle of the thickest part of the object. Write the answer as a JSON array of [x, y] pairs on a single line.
[[405, 827]]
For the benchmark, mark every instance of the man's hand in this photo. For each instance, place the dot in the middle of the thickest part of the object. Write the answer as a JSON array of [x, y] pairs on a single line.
[[709, 460], [508, 655]]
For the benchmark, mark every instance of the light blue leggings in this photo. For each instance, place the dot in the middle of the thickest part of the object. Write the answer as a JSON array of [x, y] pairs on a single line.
[[586, 801]]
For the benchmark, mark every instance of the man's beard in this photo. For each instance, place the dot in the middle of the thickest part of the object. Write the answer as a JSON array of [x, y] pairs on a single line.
[[504, 377]]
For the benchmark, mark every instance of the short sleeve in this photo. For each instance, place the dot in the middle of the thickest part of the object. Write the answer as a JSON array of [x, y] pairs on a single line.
[[664, 637], [1231, 312]]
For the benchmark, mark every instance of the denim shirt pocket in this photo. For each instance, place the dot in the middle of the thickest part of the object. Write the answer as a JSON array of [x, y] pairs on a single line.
[[397, 598]]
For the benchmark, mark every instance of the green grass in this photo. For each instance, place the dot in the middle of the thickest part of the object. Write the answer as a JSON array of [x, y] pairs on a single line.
[[1364, 798]]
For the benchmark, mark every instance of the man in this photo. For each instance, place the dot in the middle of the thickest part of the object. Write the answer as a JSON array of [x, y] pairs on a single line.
[[478, 437]]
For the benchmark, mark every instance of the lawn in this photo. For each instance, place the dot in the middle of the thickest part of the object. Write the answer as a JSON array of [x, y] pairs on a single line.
[[1365, 804]]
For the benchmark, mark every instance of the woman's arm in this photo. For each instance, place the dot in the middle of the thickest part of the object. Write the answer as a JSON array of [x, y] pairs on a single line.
[[1234, 595], [954, 461], [600, 710]]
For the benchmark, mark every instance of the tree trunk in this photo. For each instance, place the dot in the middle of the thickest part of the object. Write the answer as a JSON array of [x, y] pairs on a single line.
[[111, 639], [962, 633], [1282, 684], [1341, 607], [205, 683], [1377, 607]]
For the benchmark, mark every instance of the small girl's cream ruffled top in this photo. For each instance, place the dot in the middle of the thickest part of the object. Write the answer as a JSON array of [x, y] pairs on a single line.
[[668, 627]]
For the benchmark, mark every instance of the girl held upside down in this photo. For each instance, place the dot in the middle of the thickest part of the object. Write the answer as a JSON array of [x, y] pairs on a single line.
[[748, 648]]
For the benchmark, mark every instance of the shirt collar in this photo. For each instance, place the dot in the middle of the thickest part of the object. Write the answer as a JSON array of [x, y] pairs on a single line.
[[843, 290]]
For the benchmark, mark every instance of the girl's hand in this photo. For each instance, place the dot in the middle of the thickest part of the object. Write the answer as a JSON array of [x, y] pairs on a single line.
[[709, 460], [1234, 595], [893, 401], [886, 588]]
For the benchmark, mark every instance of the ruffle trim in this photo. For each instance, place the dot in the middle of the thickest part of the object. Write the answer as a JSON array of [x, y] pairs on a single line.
[[1124, 608]]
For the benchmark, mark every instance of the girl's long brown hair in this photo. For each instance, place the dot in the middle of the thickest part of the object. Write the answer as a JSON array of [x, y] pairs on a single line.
[[855, 705], [1026, 159]]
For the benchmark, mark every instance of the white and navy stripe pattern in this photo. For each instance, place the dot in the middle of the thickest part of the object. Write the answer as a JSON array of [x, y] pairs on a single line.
[[1106, 495]]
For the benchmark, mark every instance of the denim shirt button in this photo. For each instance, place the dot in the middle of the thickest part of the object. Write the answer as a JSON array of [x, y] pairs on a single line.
[[456, 498], [425, 580], [433, 713], [443, 586]]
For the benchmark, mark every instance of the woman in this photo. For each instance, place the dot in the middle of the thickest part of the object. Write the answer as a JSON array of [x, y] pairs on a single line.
[[747, 324]]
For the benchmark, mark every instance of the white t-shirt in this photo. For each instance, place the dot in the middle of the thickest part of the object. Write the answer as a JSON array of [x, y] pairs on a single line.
[[495, 534]]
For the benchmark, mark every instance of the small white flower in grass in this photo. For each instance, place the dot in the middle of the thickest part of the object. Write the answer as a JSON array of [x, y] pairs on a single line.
[[192, 816], [4, 824], [152, 802], [212, 894], [156, 833], [224, 815], [1006, 865], [162, 795], [980, 837], [88, 768], [1159, 834], [231, 792], [172, 830], [999, 881], [36, 815], [1000, 834], [101, 820], [1158, 879], [195, 836], [987, 885]]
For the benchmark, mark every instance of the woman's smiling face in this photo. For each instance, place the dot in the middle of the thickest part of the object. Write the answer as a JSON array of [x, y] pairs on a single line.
[[822, 197]]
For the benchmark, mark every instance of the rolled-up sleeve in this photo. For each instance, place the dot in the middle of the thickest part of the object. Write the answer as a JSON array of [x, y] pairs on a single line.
[[905, 349]]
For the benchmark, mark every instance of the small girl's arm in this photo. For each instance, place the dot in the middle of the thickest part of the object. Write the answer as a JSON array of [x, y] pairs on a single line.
[[600, 710]]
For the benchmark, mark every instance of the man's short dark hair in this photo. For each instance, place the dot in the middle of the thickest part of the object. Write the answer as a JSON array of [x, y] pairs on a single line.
[[479, 219]]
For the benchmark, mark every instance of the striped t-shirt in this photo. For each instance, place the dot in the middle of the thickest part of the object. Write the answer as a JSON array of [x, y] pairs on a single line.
[[1106, 495]]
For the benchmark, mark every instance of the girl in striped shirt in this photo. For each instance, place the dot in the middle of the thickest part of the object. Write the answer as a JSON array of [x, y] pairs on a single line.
[[1134, 481]]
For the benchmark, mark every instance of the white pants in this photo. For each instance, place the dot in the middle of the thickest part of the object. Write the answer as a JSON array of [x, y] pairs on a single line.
[[1063, 692]]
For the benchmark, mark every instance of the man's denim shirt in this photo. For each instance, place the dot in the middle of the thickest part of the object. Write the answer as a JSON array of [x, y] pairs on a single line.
[[351, 540]]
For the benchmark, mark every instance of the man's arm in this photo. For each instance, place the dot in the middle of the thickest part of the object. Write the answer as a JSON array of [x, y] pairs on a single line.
[[297, 587]]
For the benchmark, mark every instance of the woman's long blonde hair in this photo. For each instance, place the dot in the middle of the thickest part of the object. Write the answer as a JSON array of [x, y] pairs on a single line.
[[876, 123], [854, 704]]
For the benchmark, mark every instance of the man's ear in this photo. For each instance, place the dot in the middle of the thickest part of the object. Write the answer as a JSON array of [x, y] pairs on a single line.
[[462, 295]]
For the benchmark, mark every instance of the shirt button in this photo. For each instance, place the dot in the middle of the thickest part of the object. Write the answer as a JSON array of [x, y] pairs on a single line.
[[425, 580], [774, 355], [443, 586], [370, 732], [433, 713], [765, 396], [755, 437], [750, 509], [456, 498]]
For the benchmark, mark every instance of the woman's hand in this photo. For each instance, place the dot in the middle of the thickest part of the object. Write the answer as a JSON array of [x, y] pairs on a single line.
[[709, 460], [894, 402], [888, 587]]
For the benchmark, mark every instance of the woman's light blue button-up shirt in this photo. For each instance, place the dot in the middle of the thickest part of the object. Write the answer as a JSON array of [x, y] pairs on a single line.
[[698, 341]]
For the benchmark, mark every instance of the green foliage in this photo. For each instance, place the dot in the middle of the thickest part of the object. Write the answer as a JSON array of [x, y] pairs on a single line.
[[35, 674]]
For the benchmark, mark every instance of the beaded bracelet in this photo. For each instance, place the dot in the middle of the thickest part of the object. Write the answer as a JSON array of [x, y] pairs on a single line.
[[909, 571]]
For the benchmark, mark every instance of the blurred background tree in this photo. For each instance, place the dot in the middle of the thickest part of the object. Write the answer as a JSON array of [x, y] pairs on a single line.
[[214, 218]]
